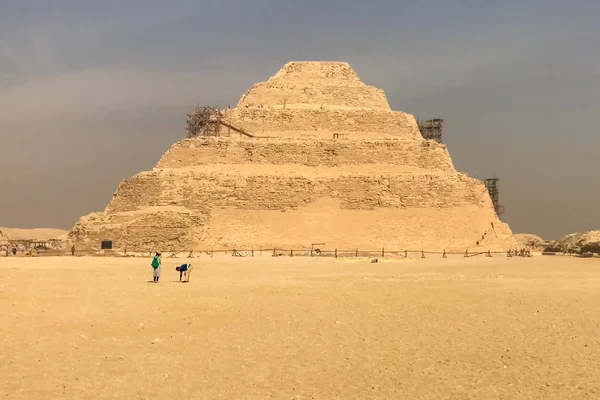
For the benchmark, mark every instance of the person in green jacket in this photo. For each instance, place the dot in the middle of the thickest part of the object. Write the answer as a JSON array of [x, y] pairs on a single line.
[[156, 261]]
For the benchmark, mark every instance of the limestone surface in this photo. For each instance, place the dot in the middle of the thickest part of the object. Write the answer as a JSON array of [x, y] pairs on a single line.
[[580, 242], [330, 164], [319, 99]]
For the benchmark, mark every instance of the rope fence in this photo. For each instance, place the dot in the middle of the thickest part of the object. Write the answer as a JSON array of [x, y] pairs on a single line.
[[262, 252]]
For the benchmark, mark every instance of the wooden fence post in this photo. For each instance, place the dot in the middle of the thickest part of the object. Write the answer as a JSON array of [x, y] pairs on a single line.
[[383, 252], [336, 253], [405, 253], [444, 255], [357, 252], [291, 253]]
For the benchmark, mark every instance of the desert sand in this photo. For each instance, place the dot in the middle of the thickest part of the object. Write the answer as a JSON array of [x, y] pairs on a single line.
[[300, 328]]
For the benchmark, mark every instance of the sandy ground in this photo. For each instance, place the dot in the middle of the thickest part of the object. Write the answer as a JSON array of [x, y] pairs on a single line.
[[300, 328]]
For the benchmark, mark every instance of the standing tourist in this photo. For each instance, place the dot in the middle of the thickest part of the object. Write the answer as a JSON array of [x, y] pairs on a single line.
[[156, 261]]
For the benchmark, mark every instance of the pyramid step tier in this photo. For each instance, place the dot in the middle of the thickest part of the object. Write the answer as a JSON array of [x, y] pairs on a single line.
[[420, 154], [225, 186], [323, 123], [168, 228]]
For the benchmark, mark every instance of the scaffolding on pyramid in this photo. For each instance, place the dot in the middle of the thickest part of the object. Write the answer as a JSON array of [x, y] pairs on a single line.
[[209, 121], [431, 129], [204, 121], [492, 187]]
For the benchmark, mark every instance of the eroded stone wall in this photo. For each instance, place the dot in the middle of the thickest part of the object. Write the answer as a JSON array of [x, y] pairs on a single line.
[[323, 123], [152, 229], [200, 191], [421, 154]]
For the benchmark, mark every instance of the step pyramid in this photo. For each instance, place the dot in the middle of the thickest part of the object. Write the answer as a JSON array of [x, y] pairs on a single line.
[[328, 161]]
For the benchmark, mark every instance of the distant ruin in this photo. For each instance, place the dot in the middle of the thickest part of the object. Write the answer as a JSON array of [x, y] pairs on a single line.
[[30, 241], [313, 155]]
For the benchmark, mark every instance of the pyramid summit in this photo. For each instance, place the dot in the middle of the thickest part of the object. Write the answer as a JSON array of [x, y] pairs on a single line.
[[313, 85], [312, 155], [320, 99]]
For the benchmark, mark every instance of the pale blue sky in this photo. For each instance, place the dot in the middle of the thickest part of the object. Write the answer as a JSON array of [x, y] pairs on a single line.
[[92, 92]]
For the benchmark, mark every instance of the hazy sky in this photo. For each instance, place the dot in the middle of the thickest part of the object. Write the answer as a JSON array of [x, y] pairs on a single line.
[[92, 92]]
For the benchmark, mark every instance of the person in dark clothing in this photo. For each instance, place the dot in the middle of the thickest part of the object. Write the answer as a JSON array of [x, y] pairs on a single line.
[[184, 270]]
